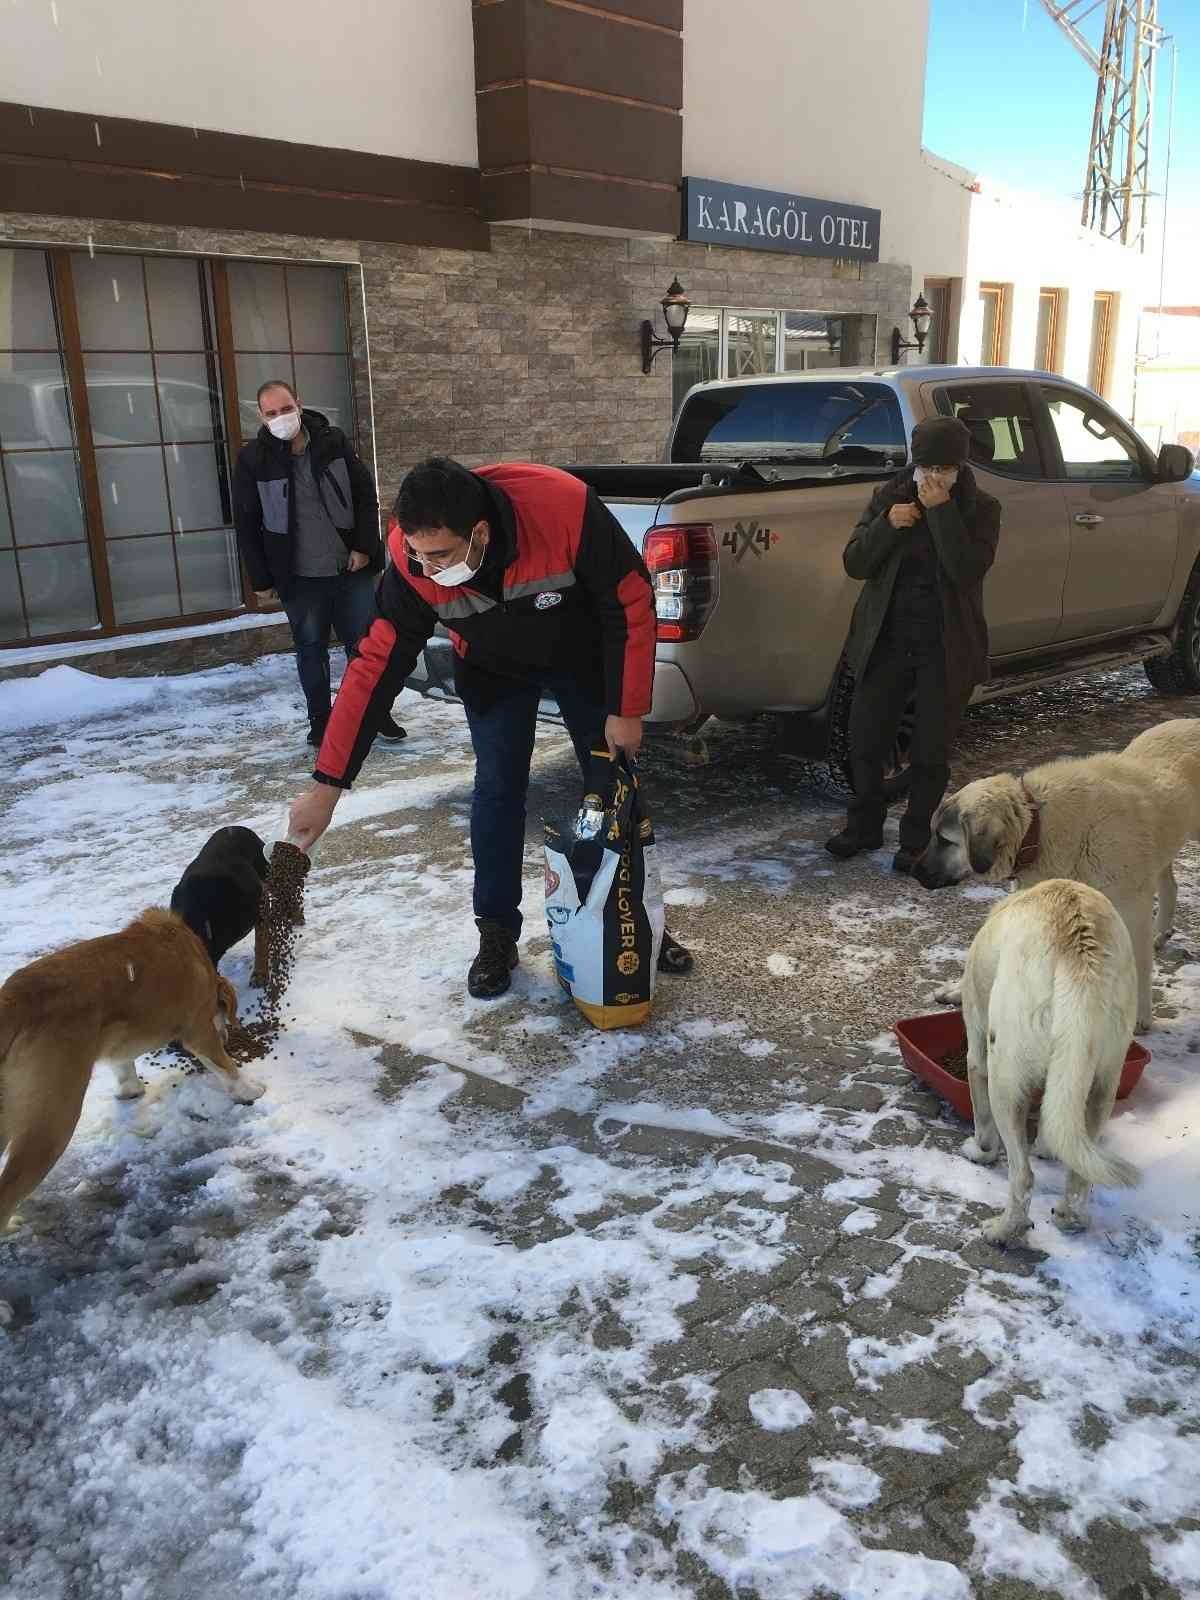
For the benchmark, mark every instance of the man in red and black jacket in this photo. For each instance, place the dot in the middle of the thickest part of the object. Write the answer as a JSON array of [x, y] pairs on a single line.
[[544, 595]]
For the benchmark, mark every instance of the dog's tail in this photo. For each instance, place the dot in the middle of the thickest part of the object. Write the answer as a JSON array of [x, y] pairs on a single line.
[[1082, 1034]]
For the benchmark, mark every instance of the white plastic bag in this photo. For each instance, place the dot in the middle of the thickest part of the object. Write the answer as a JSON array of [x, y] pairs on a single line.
[[604, 903]]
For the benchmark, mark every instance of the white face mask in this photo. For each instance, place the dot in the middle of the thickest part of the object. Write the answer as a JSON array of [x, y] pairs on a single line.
[[461, 572], [285, 427], [947, 477]]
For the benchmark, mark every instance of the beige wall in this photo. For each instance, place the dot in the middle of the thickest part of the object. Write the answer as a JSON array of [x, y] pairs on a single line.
[[1032, 244], [818, 100], [393, 77]]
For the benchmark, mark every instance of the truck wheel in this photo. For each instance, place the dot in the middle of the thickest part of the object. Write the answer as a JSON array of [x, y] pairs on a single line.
[[832, 774], [1179, 672]]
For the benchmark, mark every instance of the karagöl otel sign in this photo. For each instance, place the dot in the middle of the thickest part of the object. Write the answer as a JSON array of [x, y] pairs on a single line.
[[764, 219]]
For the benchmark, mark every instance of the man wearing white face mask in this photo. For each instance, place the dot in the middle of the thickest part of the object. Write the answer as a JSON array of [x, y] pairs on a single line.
[[544, 595], [922, 549], [307, 519]]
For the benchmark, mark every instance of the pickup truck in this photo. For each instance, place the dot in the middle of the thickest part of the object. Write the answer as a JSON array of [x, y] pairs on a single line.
[[743, 524]]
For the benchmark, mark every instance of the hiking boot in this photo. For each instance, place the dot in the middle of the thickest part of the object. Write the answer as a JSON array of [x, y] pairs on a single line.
[[852, 843], [673, 958], [490, 971], [390, 730], [905, 860], [316, 730]]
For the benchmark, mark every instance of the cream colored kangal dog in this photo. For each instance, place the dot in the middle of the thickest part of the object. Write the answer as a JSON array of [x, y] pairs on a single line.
[[1049, 997], [1115, 821]]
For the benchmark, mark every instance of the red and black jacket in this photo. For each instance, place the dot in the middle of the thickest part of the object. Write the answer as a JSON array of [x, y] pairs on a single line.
[[561, 589]]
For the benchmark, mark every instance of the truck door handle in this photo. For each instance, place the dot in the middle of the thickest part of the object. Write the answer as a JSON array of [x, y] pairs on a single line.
[[1087, 519]]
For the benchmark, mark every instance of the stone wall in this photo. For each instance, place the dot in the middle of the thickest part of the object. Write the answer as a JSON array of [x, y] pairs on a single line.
[[527, 351]]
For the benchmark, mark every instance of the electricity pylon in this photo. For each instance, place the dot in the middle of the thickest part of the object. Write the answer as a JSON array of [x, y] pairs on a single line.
[[1116, 192]]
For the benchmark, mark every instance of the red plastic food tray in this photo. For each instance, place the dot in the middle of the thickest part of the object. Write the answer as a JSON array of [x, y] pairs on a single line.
[[926, 1041]]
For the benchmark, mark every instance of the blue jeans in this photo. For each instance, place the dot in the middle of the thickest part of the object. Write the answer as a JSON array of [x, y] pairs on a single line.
[[314, 606], [503, 740]]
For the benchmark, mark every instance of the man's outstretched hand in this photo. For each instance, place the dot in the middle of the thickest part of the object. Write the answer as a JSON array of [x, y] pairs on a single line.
[[623, 733], [311, 814]]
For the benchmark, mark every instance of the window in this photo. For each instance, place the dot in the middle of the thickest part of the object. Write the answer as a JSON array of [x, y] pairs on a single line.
[[997, 416], [805, 423], [726, 343], [937, 298], [1100, 358], [1095, 445], [289, 322], [117, 396], [993, 345], [1050, 323]]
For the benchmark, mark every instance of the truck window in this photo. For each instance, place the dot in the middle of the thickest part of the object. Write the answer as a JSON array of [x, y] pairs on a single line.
[[805, 423], [997, 415], [1095, 445]]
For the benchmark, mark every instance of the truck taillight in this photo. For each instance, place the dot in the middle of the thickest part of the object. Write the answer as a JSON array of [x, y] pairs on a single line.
[[684, 565]]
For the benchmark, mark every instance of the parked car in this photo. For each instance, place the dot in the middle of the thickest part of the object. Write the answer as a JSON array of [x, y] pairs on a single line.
[[743, 525]]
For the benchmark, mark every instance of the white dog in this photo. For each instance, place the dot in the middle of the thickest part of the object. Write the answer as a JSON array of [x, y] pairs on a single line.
[[1049, 1000], [1115, 821]]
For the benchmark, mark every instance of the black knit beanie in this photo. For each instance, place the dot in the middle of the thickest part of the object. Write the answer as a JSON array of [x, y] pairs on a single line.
[[940, 442]]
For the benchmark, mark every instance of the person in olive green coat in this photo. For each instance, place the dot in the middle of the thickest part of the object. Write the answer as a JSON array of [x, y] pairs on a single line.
[[922, 549]]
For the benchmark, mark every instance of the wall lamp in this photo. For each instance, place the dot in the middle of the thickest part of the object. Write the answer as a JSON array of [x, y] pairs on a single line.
[[920, 316], [675, 308]]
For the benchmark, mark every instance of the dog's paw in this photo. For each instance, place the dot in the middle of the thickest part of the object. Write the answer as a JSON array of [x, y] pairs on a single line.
[[1068, 1221], [1144, 1025], [974, 1151], [1001, 1231], [246, 1091], [951, 995], [133, 1090], [258, 980], [1161, 940]]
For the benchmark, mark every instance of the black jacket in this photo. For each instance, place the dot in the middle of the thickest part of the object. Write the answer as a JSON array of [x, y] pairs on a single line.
[[561, 590], [264, 506], [964, 533]]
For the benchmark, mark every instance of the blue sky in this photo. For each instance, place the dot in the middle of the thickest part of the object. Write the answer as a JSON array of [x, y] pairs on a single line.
[[1008, 95]]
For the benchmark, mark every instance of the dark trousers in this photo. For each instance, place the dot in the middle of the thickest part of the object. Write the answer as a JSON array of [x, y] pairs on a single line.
[[907, 662], [503, 739], [315, 606]]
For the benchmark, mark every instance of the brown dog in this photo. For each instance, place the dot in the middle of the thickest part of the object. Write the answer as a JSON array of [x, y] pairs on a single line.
[[109, 999]]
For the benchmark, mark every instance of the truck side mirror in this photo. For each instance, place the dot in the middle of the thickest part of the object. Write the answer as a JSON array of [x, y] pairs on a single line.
[[1175, 463]]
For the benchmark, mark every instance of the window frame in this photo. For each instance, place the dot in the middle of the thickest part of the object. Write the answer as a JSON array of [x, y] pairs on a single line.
[[220, 357], [939, 395], [1100, 360], [1080, 397], [1002, 292], [1057, 299], [781, 313]]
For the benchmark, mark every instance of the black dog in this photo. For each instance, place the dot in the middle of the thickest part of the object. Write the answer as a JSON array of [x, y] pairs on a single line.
[[221, 890]]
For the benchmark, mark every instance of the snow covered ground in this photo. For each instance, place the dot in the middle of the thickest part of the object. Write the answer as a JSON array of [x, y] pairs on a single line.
[[476, 1302]]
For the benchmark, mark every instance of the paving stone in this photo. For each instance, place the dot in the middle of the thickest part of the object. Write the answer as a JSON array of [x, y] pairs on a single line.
[[876, 1255], [736, 1387], [930, 1286], [935, 1236], [880, 1319], [1119, 1563], [716, 1295], [807, 1171], [773, 1457], [862, 1097], [1018, 1261], [804, 1302], [884, 1225], [918, 1389], [821, 1363]]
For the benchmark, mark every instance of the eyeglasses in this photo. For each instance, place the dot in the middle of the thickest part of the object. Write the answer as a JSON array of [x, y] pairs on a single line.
[[438, 563]]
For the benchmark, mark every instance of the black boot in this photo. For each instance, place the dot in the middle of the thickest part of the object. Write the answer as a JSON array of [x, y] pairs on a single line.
[[490, 971], [316, 730], [905, 860], [390, 730], [672, 957]]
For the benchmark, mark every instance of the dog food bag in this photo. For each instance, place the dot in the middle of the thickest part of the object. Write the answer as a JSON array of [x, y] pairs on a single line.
[[604, 903]]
